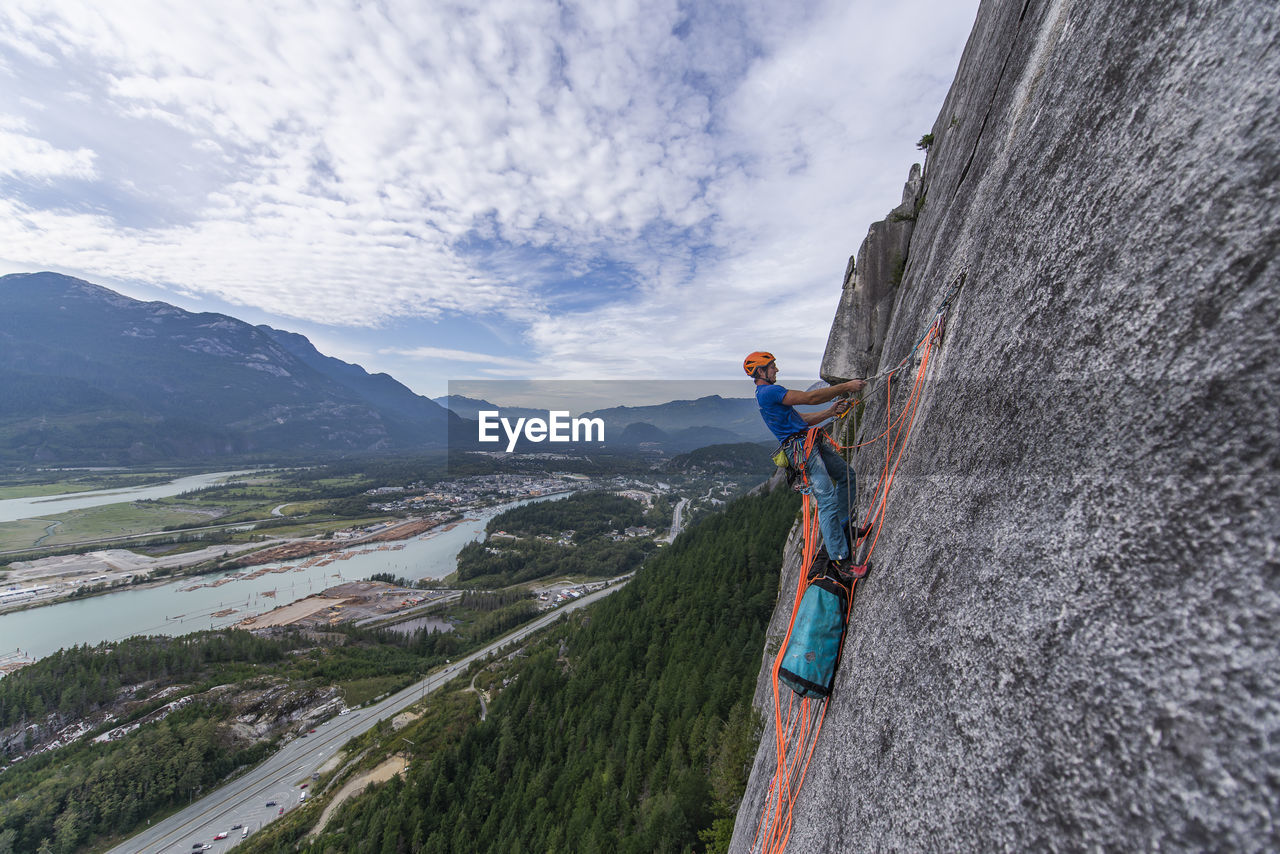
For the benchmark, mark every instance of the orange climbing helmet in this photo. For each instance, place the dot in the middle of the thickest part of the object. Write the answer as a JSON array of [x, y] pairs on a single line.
[[758, 359]]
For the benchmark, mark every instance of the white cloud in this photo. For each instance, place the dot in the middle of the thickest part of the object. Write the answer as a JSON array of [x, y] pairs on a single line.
[[823, 129], [353, 163], [449, 355], [27, 156]]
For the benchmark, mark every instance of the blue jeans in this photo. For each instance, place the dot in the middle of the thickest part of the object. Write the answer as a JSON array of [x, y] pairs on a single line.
[[832, 487]]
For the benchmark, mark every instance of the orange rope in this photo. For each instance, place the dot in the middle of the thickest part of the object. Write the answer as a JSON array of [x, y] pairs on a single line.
[[796, 733], [782, 800], [899, 442]]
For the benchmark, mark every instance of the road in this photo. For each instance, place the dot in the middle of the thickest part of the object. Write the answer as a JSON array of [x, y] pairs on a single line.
[[280, 779], [676, 521], [484, 710]]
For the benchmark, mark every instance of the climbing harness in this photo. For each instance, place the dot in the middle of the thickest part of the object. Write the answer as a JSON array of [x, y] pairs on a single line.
[[798, 719], [792, 456]]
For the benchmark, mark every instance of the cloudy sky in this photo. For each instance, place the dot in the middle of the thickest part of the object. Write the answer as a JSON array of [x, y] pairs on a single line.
[[520, 188]]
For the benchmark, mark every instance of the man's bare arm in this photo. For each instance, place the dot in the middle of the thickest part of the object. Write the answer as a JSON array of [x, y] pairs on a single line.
[[812, 418]]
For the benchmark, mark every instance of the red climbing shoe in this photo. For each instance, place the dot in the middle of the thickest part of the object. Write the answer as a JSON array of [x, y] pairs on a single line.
[[846, 571]]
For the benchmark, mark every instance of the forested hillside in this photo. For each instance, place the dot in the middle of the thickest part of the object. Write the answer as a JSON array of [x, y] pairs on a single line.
[[571, 536], [626, 730], [587, 514], [86, 794]]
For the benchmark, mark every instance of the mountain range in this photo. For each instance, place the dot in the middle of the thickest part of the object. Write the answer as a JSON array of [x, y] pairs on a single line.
[[721, 419], [470, 407], [675, 426], [90, 376]]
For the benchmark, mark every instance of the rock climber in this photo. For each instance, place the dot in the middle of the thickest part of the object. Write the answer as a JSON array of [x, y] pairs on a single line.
[[833, 487]]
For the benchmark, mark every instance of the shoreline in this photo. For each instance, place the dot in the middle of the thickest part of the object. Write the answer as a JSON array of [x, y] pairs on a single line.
[[404, 530], [392, 534]]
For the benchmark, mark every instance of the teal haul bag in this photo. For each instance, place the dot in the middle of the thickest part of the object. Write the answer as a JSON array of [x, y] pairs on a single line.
[[809, 662]]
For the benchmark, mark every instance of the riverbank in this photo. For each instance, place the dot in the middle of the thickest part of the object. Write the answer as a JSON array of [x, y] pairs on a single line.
[[44, 503], [182, 604], [195, 602], [48, 581], [310, 547], [358, 602]]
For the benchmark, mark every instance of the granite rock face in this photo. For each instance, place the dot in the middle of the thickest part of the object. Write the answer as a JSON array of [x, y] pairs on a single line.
[[870, 285], [1068, 638]]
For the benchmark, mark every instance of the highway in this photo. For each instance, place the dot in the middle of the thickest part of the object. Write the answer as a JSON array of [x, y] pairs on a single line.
[[279, 780], [677, 522]]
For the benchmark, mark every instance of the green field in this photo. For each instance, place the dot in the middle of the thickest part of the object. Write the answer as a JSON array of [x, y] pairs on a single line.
[[94, 523], [22, 533], [39, 490], [315, 500]]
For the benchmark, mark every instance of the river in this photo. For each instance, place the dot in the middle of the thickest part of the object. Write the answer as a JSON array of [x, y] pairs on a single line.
[[38, 506], [174, 608]]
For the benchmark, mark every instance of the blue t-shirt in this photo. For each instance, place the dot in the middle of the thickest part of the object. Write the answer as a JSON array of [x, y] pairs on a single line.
[[783, 420]]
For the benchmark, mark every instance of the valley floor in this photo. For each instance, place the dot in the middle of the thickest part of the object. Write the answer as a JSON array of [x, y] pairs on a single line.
[[52, 579]]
